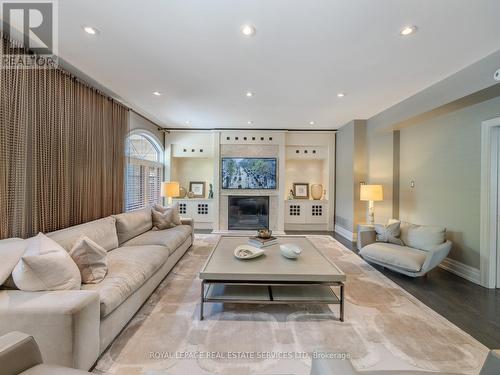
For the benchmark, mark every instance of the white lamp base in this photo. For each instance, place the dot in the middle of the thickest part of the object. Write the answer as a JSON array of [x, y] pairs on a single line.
[[371, 212]]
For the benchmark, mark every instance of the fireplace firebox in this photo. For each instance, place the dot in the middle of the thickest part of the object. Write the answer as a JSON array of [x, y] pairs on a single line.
[[248, 212]]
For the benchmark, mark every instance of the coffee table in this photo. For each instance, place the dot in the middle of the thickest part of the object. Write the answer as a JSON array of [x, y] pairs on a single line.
[[271, 278]]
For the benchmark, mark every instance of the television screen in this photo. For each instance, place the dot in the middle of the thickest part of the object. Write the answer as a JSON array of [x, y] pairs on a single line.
[[248, 173]]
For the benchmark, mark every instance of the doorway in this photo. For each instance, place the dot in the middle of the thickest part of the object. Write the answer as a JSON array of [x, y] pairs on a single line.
[[490, 204]]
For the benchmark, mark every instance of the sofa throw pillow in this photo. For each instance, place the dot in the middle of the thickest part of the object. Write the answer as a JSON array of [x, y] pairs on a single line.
[[426, 237], [163, 220], [11, 251], [389, 233], [45, 265], [91, 260], [176, 216]]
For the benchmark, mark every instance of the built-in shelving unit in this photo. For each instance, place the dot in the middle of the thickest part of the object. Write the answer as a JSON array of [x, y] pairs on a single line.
[[303, 157]]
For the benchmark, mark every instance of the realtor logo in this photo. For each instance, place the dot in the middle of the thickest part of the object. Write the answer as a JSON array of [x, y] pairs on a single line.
[[32, 22]]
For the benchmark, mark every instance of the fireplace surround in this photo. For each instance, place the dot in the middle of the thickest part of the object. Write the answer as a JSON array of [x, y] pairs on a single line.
[[248, 212]]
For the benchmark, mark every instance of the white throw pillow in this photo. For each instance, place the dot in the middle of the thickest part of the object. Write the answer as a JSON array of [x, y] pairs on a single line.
[[426, 237], [91, 260], [388, 233], [176, 217], [11, 251], [45, 265]]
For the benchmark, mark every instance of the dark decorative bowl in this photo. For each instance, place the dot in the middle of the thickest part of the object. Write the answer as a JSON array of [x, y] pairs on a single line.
[[264, 233]]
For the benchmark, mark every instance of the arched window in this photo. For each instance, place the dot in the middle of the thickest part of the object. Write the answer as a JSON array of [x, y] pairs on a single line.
[[144, 171]]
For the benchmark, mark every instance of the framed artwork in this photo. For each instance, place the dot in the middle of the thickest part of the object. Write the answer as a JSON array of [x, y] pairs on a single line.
[[301, 190], [198, 189]]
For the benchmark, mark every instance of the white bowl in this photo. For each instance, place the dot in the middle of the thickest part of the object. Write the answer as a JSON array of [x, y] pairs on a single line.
[[247, 252], [290, 250]]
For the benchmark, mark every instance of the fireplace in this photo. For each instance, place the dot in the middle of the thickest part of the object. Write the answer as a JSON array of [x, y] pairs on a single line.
[[246, 213]]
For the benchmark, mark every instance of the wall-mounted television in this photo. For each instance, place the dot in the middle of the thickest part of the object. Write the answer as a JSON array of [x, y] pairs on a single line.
[[249, 173]]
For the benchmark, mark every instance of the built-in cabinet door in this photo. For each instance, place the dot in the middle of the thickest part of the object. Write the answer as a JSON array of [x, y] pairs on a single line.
[[202, 211], [318, 213], [295, 212]]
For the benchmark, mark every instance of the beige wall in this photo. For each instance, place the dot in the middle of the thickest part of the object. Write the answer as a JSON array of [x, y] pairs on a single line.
[[442, 156], [344, 192], [140, 123], [380, 149], [185, 170], [351, 170], [309, 171]]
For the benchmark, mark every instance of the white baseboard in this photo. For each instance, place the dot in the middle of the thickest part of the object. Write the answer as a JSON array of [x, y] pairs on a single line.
[[467, 272], [345, 233]]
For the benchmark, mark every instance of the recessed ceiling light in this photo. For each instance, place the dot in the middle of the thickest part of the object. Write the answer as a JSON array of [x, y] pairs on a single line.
[[408, 30], [311, 122], [90, 30], [157, 93], [341, 94], [188, 122], [248, 30], [249, 94], [249, 122]]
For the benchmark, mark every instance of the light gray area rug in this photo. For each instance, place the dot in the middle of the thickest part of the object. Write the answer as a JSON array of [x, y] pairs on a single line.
[[385, 328]]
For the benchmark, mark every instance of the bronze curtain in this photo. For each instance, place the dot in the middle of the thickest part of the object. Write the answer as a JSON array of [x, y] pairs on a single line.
[[62, 157]]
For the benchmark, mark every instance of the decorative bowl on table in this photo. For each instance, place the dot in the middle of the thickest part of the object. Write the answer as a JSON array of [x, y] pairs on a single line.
[[290, 250], [247, 252], [264, 233]]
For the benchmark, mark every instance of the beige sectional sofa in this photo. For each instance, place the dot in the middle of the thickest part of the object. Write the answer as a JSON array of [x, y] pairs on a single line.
[[72, 328]]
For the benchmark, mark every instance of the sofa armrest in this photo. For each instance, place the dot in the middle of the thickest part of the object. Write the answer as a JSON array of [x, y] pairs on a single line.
[[436, 256], [366, 235], [324, 366], [65, 324], [189, 221], [18, 352]]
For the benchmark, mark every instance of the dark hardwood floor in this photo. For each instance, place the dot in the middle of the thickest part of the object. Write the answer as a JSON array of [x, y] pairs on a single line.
[[471, 307], [474, 309]]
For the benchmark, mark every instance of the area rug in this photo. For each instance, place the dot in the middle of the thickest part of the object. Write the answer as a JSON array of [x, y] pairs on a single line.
[[385, 328]]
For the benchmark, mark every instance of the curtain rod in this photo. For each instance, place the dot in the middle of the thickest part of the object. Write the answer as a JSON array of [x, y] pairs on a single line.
[[257, 129]]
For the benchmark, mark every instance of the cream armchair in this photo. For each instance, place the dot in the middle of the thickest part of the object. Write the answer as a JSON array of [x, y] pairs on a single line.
[[413, 259], [19, 354]]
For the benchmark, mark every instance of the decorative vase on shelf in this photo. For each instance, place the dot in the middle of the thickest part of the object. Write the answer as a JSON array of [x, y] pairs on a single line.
[[182, 192], [317, 192]]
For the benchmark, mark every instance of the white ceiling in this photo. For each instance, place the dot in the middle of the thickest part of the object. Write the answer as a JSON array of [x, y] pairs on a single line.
[[303, 54]]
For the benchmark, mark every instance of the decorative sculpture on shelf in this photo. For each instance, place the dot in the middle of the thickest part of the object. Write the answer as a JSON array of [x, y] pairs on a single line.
[[290, 195], [210, 191]]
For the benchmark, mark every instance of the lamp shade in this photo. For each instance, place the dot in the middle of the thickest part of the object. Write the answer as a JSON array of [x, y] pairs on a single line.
[[170, 189], [371, 193]]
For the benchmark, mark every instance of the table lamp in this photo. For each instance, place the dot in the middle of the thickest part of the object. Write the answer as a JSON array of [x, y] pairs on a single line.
[[371, 193], [170, 190]]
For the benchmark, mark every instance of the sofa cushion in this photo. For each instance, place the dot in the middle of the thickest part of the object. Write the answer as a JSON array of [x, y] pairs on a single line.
[[128, 268], [131, 224], [44, 266], [163, 220], [425, 237], [11, 251], [389, 233], [91, 260], [170, 238], [402, 257], [174, 208], [102, 232]]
